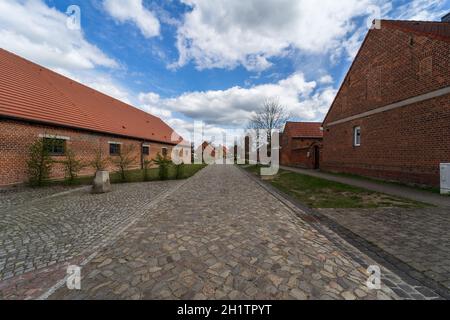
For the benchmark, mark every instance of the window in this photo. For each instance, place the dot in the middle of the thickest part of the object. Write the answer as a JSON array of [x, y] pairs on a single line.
[[55, 147], [146, 150], [114, 149], [164, 152], [357, 136]]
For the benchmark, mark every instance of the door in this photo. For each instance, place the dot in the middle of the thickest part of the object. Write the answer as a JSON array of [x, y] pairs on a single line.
[[316, 157]]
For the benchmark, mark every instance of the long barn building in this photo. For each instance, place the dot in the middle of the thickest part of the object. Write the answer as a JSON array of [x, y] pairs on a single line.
[[37, 103]]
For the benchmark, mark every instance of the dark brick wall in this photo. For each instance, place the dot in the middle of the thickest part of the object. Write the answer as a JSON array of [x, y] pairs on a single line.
[[298, 152], [16, 138]]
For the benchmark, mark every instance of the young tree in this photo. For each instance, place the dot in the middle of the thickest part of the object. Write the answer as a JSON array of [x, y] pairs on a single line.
[[72, 165], [39, 163], [163, 165], [124, 160], [272, 115], [99, 163]]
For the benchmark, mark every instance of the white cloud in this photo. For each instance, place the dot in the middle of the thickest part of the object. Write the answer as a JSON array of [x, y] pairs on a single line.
[[234, 106], [227, 33], [32, 30], [39, 33], [326, 79], [425, 10], [135, 12]]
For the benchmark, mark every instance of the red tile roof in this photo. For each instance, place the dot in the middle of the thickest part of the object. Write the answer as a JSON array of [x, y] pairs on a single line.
[[31, 92], [433, 29], [304, 129]]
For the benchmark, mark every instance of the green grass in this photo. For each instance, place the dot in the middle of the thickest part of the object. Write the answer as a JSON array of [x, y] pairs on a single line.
[[320, 193], [135, 176]]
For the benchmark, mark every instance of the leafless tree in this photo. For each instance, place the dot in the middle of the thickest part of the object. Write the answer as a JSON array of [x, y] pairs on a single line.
[[124, 160], [272, 115]]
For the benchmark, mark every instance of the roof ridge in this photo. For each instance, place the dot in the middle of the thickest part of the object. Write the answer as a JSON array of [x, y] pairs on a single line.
[[421, 21], [85, 107], [74, 81]]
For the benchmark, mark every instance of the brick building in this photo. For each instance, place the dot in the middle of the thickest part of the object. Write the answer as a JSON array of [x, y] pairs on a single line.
[[391, 116], [36, 103], [301, 143]]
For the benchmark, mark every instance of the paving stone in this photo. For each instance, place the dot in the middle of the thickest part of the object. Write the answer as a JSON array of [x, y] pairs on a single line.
[[416, 237], [196, 228]]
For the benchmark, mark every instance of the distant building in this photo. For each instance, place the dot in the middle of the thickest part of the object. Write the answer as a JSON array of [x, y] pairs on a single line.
[[391, 116], [301, 143], [209, 151], [36, 103]]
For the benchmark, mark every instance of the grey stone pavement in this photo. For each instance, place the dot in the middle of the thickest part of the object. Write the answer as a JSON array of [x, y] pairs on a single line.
[[392, 189], [42, 230], [223, 236], [217, 235], [420, 238]]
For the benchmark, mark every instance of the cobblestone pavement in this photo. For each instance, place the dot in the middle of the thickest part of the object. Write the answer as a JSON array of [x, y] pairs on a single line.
[[41, 230], [223, 236], [419, 238]]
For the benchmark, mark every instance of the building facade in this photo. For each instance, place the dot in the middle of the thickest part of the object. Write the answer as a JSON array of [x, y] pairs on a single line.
[[301, 144], [391, 116], [36, 103]]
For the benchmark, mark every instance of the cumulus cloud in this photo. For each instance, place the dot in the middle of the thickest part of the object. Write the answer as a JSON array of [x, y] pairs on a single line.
[[39, 33], [234, 106], [134, 11], [31, 29], [228, 33], [426, 10]]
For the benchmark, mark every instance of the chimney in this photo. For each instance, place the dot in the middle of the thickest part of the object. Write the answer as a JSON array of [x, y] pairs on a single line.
[[446, 18]]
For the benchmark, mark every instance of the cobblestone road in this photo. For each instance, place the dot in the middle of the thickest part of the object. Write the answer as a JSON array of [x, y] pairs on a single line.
[[420, 237], [43, 227], [222, 236]]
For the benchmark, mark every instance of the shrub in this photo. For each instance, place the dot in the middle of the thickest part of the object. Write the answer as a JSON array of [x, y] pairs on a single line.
[[146, 171], [124, 160], [163, 166], [72, 166], [39, 163], [179, 171]]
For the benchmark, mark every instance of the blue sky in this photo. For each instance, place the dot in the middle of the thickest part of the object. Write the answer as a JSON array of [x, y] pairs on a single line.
[[207, 60]]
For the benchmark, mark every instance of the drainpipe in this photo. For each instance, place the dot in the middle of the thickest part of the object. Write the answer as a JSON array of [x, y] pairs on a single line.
[[142, 155]]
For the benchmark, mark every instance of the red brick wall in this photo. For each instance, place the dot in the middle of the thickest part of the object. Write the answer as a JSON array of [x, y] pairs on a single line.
[[389, 69], [405, 144], [298, 152], [16, 138]]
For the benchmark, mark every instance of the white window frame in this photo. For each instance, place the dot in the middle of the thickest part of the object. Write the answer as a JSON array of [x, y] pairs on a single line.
[[356, 130], [51, 136]]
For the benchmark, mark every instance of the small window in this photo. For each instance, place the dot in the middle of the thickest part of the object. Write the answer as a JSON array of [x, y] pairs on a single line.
[[55, 147], [146, 150], [357, 136], [114, 149], [164, 152]]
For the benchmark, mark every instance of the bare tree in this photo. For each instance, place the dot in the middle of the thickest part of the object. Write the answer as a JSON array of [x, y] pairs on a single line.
[[272, 115], [124, 160]]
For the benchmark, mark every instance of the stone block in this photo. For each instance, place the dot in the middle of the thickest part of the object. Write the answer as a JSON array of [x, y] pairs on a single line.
[[102, 183]]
